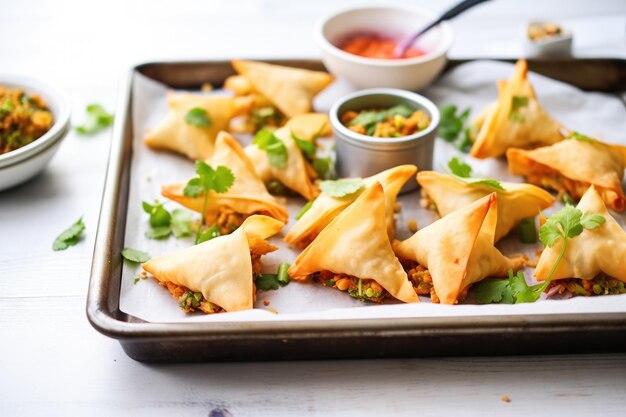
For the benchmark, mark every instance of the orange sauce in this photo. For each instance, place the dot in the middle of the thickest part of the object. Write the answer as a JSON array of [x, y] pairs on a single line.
[[376, 46]]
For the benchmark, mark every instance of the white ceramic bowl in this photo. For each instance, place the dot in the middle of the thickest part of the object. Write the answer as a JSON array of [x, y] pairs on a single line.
[[24, 163], [556, 46], [396, 22]]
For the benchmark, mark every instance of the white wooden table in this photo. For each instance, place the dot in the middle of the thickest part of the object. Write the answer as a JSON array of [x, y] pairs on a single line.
[[53, 363]]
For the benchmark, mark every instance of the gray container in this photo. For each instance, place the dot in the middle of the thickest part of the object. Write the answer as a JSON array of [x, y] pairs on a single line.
[[362, 156]]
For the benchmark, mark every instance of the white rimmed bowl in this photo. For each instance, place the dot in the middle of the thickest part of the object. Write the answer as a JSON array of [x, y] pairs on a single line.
[[24, 163], [361, 156], [396, 22]]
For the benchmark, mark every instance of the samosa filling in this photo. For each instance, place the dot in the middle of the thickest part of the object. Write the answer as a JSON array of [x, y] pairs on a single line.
[[228, 220], [190, 301], [599, 285], [361, 289], [422, 281], [547, 177]]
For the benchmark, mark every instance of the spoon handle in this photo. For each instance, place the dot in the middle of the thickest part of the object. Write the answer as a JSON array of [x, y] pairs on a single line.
[[453, 12]]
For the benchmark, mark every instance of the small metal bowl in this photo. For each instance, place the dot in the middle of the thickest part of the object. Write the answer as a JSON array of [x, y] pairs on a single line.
[[361, 156]]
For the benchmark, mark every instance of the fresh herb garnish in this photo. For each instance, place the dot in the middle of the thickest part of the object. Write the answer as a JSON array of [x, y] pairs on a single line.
[[566, 224], [267, 282], [135, 256], [208, 234], [181, 224], [567, 199], [70, 236], [517, 102], [462, 172], [97, 119], [306, 208], [198, 117], [369, 119], [308, 148], [527, 231], [582, 138], [162, 222], [273, 281], [218, 180], [453, 129], [282, 275], [324, 168], [341, 188], [273, 146]]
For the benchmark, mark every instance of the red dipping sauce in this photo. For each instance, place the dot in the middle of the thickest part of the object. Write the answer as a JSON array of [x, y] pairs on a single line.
[[376, 46]]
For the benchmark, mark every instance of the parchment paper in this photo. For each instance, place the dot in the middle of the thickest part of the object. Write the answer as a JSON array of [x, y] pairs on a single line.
[[470, 85]]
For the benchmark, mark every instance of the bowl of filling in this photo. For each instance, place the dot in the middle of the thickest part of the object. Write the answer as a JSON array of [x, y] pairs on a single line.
[[381, 128], [358, 45], [34, 118]]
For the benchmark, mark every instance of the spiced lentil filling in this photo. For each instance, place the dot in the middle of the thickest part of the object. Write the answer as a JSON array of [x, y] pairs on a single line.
[[599, 285]]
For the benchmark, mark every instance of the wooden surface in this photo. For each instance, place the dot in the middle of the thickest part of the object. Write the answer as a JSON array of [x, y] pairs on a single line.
[[53, 363]]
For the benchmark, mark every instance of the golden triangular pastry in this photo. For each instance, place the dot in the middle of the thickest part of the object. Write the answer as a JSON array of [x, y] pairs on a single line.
[[245, 197], [176, 135], [221, 269], [295, 175], [594, 251], [325, 208], [309, 126], [458, 250], [518, 202], [517, 121], [355, 245], [572, 166], [290, 89]]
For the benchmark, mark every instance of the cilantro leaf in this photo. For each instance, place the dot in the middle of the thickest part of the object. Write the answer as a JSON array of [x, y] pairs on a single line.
[[182, 225], [198, 117], [223, 179], [159, 216], [324, 168], [308, 148], [208, 234], [459, 168], [591, 220], [494, 290], [400, 110], [267, 282], [193, 188], [451, 124], [69, 236], [341, 188], [97, 119], [273, 146], [159, 232], [135, 256], [581, 137]]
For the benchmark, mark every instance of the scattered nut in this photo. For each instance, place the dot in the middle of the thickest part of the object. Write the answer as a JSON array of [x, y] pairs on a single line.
[[412, 225], [505, 398]]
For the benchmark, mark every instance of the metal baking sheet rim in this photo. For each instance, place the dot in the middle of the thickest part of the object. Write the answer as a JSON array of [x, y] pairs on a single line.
[[103, 295]]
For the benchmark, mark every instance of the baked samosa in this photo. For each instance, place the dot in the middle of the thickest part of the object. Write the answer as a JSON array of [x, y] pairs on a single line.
[[217, 275], [296, 173], [593, 262], [353, 254], [310, 126], [516, 121], [572, 166], [290, 89], [516, 202], [245, 197], [456, 251], [192, 124], [325, 207]]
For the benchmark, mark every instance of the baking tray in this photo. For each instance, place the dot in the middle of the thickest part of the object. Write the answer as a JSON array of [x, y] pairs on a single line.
[[346, 339]]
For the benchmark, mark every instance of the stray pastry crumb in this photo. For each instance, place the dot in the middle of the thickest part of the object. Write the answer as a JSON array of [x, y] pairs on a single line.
[[412, 225], [207, 87], [272, 310], [397, 207], [505, 399], [424, 202], [266, 302]]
